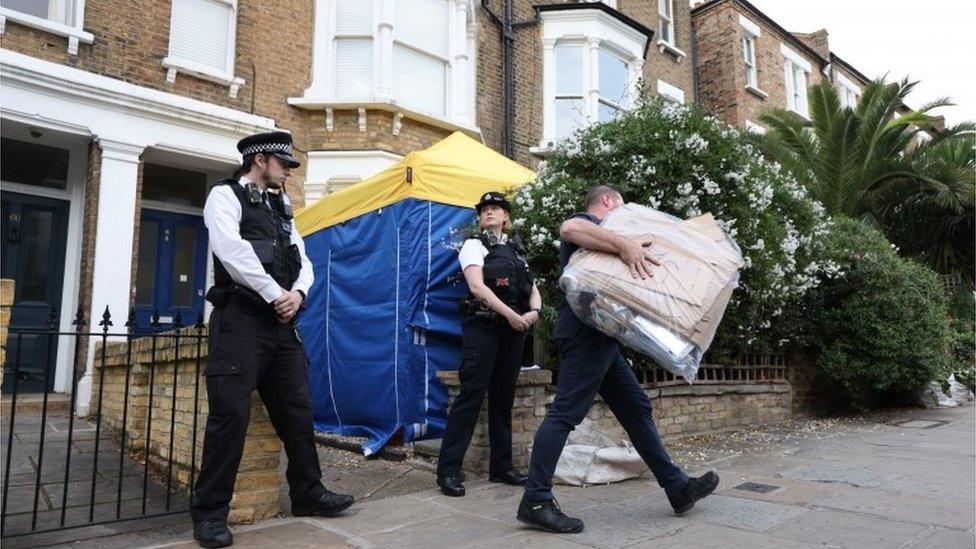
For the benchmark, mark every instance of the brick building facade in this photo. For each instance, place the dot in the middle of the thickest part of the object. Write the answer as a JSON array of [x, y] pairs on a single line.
[[746, 62], [117, 115]]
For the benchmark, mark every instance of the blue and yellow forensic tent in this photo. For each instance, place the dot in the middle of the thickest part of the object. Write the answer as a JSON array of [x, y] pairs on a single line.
[[382, 316]]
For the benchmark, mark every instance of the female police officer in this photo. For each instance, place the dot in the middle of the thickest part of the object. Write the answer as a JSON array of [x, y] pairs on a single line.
[[502, 304]]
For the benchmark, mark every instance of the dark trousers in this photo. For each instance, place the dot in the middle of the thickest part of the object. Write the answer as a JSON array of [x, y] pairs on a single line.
[[247, 352], [491, 359], [591, 364]]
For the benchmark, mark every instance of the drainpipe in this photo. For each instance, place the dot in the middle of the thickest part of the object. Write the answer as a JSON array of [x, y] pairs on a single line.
[[507, 28]]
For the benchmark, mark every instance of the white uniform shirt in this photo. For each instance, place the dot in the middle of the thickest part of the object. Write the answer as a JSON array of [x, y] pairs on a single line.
[[222, 216], [473, 252]]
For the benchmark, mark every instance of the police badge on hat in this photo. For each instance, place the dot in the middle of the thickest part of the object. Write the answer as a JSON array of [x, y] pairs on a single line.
[[495, 199]]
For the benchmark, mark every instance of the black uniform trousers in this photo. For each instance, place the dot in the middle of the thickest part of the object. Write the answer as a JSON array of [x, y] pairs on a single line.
[[251, 351], [491, 359], [592, 364]]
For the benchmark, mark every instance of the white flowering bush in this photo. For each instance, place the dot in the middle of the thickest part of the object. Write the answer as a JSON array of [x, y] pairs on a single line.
[[676, 159]]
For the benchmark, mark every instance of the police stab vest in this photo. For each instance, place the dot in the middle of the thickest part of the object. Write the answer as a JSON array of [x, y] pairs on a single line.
[[507, 273], [268, 229]]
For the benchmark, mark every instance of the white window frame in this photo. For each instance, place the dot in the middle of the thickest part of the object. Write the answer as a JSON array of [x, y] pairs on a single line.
[[627, 102], [72, 30], [330, 171], [460, 96], [593, 30], [175, 65], [849, 92], [665, 14], [750, 39], [753, 127], [795, 71], [670, 91], [445, 60]]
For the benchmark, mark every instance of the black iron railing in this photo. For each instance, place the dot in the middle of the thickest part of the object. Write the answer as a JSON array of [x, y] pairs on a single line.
[[47, 446]]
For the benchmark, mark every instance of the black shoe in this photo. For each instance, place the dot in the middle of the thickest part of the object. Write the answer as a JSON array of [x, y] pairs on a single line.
[[328, 504], [212, 532], [511, 476], [696, 489], [548, 516], [450, 485]]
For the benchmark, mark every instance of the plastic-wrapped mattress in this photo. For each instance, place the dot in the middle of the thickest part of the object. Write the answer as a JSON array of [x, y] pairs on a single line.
[[672, 316]]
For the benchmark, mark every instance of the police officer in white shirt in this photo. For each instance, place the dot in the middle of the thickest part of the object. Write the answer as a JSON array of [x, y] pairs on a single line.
[[261, 279], [502, 304]]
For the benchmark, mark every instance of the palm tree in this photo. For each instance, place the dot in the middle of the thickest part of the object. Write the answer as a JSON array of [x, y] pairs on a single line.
[[871, 163]]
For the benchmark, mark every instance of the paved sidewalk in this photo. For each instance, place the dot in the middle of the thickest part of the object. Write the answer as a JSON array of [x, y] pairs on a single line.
[[906, 479]]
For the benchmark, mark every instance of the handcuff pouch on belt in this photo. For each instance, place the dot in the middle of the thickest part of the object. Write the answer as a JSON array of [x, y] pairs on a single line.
[[472, 307]]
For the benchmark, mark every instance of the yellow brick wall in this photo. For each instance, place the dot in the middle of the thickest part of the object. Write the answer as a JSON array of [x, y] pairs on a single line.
[[6, 300], [256, 489]]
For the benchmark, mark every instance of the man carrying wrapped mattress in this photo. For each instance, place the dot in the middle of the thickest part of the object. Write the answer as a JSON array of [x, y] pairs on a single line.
[[592, 363]]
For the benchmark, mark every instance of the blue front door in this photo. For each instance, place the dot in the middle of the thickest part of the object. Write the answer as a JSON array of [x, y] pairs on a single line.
[[172, 268]]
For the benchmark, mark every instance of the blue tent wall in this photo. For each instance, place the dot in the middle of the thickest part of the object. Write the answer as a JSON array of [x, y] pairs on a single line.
[[382, 320]]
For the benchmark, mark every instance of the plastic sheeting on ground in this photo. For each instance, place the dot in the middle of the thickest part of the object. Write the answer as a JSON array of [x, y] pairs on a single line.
[[382, 318], [671, 316], [594, 457]]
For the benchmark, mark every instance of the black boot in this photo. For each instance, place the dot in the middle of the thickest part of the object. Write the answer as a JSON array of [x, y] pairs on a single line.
[[511, 476], [696, 489], [327, 505], [450, 485], [548, 516], [212, 532]]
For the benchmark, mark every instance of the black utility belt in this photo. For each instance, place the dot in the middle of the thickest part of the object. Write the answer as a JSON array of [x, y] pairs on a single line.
[[249, 299], [471, 307]]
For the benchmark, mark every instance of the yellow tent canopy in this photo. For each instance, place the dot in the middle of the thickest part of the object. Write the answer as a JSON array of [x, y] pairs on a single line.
[[456, 171]]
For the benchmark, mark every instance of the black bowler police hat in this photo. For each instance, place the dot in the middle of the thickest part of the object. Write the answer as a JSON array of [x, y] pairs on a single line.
[[276, 143], [493, 198]]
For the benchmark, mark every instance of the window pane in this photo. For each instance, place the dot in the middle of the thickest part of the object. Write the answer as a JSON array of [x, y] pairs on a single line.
[[423, 24], [354, 17], [569, 70], [33, 164], [613, 78], [174, 185], [199, 32], [665, 31], [183, 255], [354, 67], [146, 270], [419, 80], [34, 280], [607, 112], [570, 115], [37, 8]]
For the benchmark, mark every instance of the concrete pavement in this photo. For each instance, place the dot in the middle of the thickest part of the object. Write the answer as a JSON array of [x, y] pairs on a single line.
[[903, 479]]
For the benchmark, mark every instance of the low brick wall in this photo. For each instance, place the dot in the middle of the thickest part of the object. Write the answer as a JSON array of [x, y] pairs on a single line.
[[6, 301], [256, 490], [531, 400], [679, 410]]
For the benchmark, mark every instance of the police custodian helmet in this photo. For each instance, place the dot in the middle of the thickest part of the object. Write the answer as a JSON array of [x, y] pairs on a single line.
[[276, 143], [495, 199]]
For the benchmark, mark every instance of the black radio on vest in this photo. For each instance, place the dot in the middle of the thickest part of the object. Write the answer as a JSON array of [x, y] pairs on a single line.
[[506, 272], [266, 224]]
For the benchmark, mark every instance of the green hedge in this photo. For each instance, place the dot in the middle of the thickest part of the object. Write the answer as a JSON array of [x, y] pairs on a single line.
[[879, 326]]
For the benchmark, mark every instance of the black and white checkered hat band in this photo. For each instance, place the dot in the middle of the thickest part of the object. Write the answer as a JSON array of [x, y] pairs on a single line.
[[267, 147]]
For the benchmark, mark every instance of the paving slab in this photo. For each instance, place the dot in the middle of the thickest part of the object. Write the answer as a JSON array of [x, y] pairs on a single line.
[[713, 535], [745, 514], [297, 535], [911, 508], [944, 538], [843, 529]]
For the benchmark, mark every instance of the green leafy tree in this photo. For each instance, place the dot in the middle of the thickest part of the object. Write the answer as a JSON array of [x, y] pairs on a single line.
[[870, 163]]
